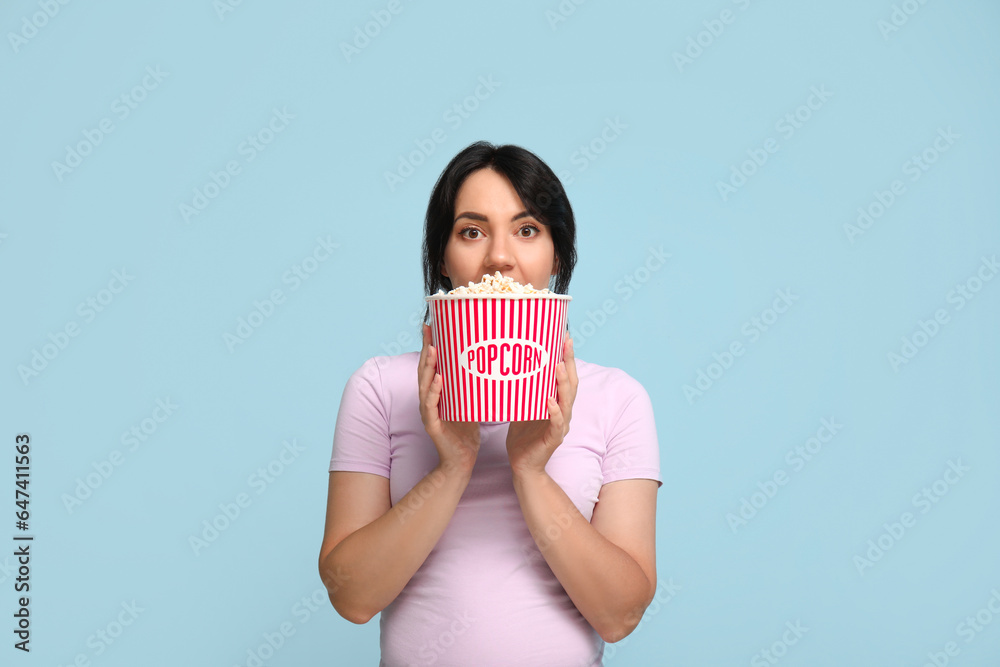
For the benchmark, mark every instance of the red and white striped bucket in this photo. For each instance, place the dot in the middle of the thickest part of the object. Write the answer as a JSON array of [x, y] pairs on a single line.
[[497, 354]]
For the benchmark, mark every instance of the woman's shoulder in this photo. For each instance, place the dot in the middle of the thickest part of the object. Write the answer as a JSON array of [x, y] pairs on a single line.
[[605, 378], [388, 371]]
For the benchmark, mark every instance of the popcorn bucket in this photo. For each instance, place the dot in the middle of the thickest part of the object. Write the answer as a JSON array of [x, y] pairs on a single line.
[[497, 354]]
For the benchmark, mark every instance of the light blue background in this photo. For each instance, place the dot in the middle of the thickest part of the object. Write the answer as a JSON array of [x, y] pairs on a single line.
[[654, 186]]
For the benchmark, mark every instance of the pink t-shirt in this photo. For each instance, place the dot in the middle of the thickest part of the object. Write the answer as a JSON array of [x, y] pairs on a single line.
[[485, 595]]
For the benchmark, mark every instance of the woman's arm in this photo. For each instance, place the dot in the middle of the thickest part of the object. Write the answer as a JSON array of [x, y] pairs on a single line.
[[371, 550], [608, 565]]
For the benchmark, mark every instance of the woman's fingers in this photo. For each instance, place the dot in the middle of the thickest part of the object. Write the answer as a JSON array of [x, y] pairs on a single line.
[[426, 363], [567, 381], [424, 343], [564, 392], [420, 361], [432, 420], [434, 395], [569, 356], [434, 384], [425, 381], [556, 414]]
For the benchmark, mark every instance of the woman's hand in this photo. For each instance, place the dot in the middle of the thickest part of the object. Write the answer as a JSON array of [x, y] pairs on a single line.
[[530, 444], [457, 443]]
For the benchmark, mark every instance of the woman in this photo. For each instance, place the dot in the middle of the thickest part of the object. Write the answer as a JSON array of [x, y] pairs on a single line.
[[481, 544]]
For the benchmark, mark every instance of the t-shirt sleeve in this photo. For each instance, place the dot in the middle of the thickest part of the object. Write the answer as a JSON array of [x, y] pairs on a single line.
[[633, 450], [361, 436]]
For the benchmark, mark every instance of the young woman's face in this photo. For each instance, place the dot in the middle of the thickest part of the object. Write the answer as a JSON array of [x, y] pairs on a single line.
[[492, 231]]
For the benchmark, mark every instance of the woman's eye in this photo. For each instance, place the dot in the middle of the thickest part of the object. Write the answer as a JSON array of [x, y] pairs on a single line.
[[469, 231]]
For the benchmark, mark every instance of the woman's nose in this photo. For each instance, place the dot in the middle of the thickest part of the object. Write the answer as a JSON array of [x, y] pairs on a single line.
[[498, 255]]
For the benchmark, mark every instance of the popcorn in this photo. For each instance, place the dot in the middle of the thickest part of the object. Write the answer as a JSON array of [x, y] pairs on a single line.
[[496, 284], [498, 344]]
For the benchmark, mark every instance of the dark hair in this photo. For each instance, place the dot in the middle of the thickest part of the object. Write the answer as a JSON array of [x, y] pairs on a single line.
[[535, 183]]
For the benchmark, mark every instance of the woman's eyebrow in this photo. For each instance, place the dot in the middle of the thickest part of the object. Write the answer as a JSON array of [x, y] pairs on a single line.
[[483, 218]]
